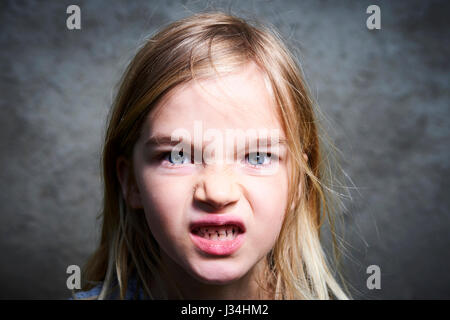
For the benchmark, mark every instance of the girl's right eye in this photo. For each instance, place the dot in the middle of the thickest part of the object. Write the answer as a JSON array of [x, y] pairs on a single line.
[[176, 159]]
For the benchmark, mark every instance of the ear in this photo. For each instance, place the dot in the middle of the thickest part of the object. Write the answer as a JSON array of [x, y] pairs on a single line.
[[305, 157], [128, 185]]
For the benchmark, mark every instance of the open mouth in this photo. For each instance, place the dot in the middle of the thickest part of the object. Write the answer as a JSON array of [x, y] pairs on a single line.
[[218, 238]]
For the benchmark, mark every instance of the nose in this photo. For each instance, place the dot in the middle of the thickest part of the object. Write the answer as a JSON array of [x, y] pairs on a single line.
[[216, 189]]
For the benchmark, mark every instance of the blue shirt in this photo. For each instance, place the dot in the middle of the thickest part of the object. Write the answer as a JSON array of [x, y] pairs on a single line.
[[95, 292]]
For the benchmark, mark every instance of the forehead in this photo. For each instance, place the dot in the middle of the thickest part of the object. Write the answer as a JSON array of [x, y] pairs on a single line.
[[240, 100]]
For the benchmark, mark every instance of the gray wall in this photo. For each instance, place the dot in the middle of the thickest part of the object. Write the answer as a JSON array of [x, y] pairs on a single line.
[[385, 93]]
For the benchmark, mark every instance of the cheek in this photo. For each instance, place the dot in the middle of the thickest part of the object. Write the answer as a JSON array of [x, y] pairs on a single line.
[[164, 201], [268, 200]]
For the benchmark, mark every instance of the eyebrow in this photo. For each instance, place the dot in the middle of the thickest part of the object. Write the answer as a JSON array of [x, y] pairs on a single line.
[[162, 140], [156, 141]]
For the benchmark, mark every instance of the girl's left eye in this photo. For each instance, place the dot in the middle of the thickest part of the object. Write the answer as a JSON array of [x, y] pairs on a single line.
[[258, 158]]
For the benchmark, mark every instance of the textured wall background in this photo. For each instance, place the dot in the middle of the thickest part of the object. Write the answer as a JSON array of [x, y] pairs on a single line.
[[385, 92]]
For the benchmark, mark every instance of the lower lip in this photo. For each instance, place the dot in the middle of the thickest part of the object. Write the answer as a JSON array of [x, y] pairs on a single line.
[[218, 247]]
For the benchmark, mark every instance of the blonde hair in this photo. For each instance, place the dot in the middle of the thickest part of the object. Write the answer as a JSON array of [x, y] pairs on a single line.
[[187, 49]]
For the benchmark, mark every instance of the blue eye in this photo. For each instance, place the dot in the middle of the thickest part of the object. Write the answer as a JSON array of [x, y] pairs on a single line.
[[258, 158], [177, 158]]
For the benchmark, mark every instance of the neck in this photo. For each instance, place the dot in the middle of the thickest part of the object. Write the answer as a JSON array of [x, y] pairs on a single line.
[[177, 284]]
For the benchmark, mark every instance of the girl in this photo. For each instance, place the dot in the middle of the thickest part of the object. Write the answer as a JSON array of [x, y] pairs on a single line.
[[176, 225]]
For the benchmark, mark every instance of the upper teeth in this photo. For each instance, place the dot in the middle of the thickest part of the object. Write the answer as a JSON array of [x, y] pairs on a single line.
[[218, 232]]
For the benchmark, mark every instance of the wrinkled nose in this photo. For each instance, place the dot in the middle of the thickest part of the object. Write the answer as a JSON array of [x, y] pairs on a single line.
[[216, 189]]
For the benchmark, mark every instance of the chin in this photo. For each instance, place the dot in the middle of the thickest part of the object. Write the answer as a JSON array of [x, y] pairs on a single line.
[[217, 273]]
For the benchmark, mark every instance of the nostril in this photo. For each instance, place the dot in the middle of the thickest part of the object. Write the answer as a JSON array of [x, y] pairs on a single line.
[[213, 207]]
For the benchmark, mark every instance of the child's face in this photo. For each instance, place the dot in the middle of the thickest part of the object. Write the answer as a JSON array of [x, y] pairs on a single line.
[[213, 221]]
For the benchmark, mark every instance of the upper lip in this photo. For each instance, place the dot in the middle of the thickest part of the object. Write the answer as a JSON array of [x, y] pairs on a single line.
[[217, 220]]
